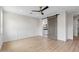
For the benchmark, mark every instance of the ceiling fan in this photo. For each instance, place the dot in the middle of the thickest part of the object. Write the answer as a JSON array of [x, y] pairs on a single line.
[[41, 9]]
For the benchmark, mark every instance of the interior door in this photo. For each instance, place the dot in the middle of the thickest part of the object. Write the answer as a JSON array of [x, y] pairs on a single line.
[[52, 27]]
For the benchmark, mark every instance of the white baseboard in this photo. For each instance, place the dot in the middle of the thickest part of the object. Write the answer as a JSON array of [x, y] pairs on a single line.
[[18, 38]]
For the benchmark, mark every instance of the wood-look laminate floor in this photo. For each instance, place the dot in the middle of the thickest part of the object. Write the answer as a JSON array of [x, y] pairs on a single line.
[[41, 44]]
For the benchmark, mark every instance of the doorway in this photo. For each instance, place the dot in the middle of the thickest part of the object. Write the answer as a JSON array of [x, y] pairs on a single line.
[[52, 27]]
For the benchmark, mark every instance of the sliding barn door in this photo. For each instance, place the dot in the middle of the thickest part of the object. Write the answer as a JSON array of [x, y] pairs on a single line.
[[52, 27]]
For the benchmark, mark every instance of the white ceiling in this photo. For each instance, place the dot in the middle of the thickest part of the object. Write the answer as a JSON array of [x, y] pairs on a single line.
[[52, 10]]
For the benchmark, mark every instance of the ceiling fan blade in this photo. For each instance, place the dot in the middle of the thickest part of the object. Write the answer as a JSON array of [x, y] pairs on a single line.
[[44, 8], [35, 11]]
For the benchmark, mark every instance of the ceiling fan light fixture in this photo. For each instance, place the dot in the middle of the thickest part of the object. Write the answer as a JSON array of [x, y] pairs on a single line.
[[41, 10]]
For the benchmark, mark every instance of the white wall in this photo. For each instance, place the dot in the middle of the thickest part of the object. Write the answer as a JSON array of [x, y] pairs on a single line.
[[1, 27], [61, 26], [18, 26], [65, 26], [69, 22]]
